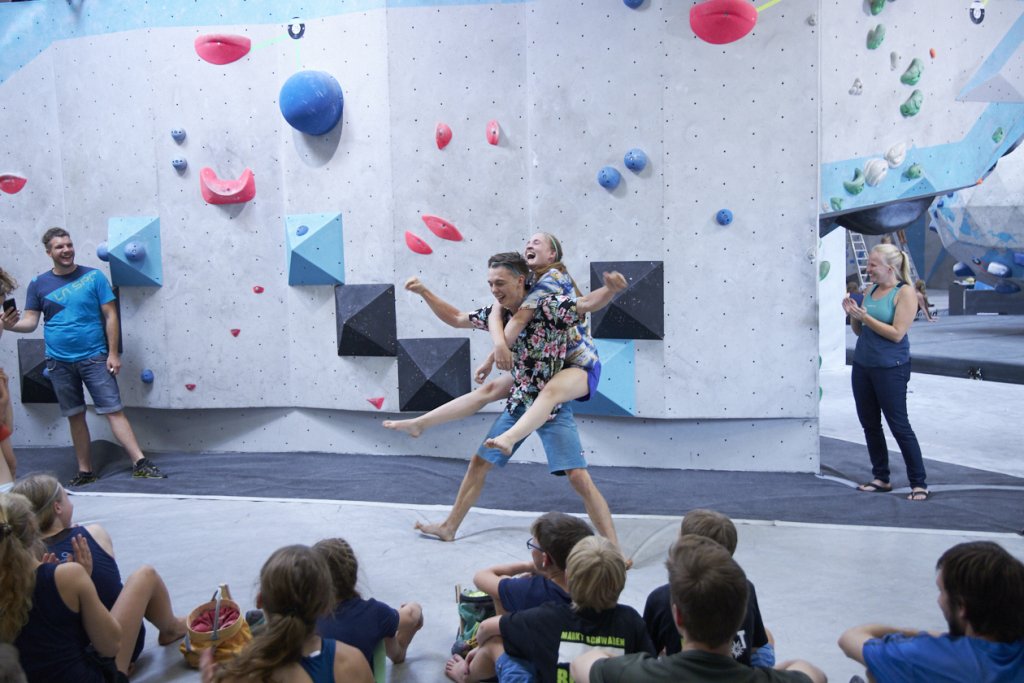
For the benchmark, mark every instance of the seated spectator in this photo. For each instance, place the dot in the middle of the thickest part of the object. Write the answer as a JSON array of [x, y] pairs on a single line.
[[53, 511], [295, 591], [359, 622], [923, 305], [547, 637], [10, 668], [751, 644], [520, 585], [709, 595], [52, 613], [981, 595]]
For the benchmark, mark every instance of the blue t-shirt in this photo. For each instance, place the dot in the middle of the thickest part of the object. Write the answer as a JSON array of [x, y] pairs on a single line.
[[519, 593], [943, 659], [361, 624], [70, 305]]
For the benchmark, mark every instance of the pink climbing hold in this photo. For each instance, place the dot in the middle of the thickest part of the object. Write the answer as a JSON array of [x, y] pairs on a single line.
[[218, 48], [190, 387], [235, 332], [376, 402], [219, 191], [257, 289], [932, 53], [493, 132], [11, 183], [443, 134], [442, 228], [722, 21], [416, 244]]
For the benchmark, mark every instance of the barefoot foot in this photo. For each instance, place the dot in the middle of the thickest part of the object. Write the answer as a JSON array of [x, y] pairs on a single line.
[[173, 634], [501, 443], [437, 530], [410, 427], [457, 669]]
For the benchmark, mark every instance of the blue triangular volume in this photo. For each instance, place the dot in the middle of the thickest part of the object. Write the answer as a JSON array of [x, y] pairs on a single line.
[[321, 248], [616, 392], [132, 235]]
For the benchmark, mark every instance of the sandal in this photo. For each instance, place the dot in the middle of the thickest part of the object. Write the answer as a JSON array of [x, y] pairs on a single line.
[[919, 495], [872, 487]]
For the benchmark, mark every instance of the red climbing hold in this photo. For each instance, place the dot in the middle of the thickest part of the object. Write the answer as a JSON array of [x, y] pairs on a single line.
[[376, 402], [218, 191], [443, 134], [11, 183], [257, 289], [190, 387], [722, 21], [493, 132], [442, 228], [235, 332], [217, 48], [416, 244], [932, 52]]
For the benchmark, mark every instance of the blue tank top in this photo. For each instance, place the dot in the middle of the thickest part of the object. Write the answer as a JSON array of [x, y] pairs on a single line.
[[320, 666], [52, 644], [874, 350]]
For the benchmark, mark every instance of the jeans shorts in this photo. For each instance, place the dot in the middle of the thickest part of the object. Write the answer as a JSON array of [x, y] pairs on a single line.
[[559, 435], [67, 380], [514, 670]]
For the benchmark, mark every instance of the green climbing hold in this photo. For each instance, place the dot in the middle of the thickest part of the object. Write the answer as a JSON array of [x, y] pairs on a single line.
[[837, 203], [821, 392], [877, 6], [876, 36], [823, 269], [856, 185], [997, 136], [913, 104], [915, 171], [913, 73]]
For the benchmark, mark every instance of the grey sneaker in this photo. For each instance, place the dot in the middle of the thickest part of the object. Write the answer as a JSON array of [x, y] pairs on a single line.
[[145, 469], [82, 479]]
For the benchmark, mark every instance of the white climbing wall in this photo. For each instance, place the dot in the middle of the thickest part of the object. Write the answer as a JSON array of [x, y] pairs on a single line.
[[733, 385]]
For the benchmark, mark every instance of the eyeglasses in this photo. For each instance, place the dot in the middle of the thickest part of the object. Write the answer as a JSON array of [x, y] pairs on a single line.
[[533, 546]]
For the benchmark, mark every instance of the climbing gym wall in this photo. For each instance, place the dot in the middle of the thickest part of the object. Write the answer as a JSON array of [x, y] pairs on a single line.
[[262, 180]]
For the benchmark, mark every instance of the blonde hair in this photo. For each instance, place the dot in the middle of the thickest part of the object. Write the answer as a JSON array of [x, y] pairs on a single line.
[[7, 283], [19, 548], [556, 246], [595, 573], [895, 259], [41, 491]]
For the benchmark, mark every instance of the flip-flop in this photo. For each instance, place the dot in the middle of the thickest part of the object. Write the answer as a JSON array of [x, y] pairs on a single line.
[[919, 496], [872, 487]]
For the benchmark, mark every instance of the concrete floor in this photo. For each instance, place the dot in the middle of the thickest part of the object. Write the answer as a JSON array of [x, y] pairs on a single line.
[[812, 580]]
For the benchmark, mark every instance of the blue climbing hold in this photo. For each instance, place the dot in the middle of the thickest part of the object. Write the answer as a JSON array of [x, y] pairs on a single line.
[[1018, 258], [961, 269], [135, 251], [608, 177], [179, 163], [147, 376], [632, 4], [101, 252], [724, 217], [312, 102], [178, 134], [301, 230], [635, 160]]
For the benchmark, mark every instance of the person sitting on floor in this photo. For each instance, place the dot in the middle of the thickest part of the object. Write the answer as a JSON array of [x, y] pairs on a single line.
[[359, 622], [53, 511], [981, 595], [295, 590], [752, 644], [520, 585], [539, 643], [709, 595]]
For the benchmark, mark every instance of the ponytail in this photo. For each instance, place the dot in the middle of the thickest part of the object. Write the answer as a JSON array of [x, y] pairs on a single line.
[[19, 549]]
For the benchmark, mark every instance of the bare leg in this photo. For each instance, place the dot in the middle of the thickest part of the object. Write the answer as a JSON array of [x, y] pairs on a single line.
[[478, 665], [566, 385], [7, 418], [144, 593], [410, 620], [455, 409], [123, 433], [8, 463], [80, 440], [469, 491], [594, 502]]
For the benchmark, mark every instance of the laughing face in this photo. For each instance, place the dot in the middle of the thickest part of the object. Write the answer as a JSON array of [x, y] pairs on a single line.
[[506, 286], [62, 251], [539, 252]]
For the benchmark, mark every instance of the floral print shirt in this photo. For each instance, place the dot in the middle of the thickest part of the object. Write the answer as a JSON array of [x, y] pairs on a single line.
[[582, 352], [539, 352]]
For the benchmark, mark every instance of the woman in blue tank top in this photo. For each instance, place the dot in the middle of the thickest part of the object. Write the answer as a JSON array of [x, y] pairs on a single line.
[[881, 367]]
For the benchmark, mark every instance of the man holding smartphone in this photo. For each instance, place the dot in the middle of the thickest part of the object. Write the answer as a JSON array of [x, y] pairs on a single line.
[[82, 339]]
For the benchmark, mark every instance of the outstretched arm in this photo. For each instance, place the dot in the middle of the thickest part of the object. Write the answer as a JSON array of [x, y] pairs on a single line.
[[441, 308], [614, 283]]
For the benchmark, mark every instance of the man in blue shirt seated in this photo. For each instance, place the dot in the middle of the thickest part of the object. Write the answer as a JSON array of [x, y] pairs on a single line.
[[82, 340], [981, 595]]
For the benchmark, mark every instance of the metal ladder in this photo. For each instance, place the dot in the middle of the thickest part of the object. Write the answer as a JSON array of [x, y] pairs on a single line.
[[860, 255]]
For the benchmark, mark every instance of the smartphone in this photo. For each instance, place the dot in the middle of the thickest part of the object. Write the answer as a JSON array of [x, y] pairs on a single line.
[[10, 305]]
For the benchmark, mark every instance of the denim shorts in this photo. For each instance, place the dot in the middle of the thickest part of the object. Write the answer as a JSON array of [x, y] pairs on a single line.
[[67, 380], [559, 435], [514, 670]]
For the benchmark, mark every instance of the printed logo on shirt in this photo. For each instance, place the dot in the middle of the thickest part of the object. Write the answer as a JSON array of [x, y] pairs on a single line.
[[573, 644], [62, 294]]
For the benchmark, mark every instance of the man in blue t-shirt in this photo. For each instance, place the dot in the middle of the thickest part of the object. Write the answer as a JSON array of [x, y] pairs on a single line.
[[981, 595], [82, 340]]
